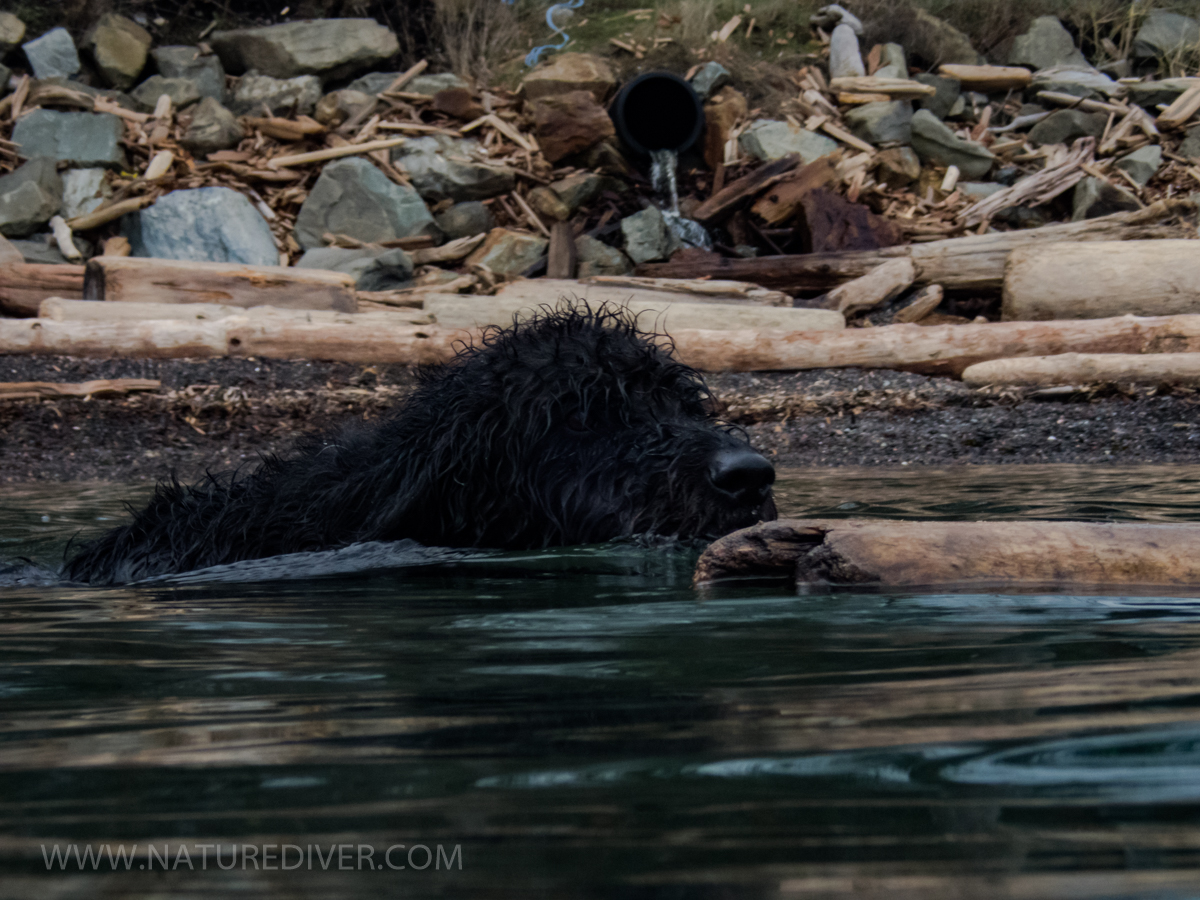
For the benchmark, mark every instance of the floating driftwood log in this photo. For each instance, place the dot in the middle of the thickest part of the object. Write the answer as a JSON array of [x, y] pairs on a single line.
[[128, 278], [1088, 368], [982, 554], [976, 261], [1102, 278]]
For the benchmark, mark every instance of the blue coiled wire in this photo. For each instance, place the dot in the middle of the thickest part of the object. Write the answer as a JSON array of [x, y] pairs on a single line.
[[531, 58]]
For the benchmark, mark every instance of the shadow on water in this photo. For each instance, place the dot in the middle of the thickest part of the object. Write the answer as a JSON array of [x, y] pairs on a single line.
[[579, 722]]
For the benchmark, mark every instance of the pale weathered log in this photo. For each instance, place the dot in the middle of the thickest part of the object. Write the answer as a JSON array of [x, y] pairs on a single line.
[[895, 88], [300, 159], [126, 279], [973, 262], [1184, 107], [1100, 279], [880, 284], [411, 345], [932, 350], [23, 286], [663, 313], [155, 339], [1088, 368], [61, 310], [536, 292], [976, 554], [922, 304], [24, 390], [714, 290]]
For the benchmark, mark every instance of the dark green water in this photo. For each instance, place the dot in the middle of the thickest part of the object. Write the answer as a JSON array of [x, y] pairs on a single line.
[[581, 723]]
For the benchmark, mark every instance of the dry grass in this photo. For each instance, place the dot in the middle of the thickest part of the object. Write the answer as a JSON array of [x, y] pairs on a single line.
[[475, 35]]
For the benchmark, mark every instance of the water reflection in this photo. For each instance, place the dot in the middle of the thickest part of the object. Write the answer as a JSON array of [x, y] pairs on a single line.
[[579, 721]]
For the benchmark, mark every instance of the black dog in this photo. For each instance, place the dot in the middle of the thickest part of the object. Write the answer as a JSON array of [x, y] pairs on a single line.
[[572, 427]]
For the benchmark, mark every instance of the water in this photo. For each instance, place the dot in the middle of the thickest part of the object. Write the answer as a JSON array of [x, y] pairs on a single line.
[[579, 722], [663, 167]]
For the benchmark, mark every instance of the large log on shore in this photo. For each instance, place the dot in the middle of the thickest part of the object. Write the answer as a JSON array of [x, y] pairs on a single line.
[[135, 279], [62, 310], [933, 350], [267, 336], [24, 285], [1103, 278], [976, 554], [1088, 368], [976, 261]]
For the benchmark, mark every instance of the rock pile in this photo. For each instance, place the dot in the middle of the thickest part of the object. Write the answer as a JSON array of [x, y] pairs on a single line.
[[285, 145]]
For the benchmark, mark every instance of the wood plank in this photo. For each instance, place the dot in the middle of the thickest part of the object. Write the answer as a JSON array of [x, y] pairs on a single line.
[[23, 286], [739, 193], [562, 259]]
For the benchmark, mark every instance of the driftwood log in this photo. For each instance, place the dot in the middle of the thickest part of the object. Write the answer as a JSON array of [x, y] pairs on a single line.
[[935, 349], [26, 390], [880, 284], [673, 313], [61, 310], [23, 286], [128, 278], [1088, 368], [1103, 278], [976, 554], [974, 262]]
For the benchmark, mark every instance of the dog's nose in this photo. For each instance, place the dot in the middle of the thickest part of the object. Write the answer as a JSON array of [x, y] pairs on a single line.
[[743, 474]]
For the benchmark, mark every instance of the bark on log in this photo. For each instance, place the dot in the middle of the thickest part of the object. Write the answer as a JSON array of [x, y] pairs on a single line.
[[974, 262], [106, 340], [931, 350], [713, 290], [1088, 368], [131, 279], [975, 554], [670, 313], [561, 259], [738, 193], [1104, 278], [23, 286]]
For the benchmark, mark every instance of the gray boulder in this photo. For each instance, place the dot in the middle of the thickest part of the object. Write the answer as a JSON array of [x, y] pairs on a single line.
[[1095, 197], [580, 189], [12, 32], [79, 138], [118, 46], [212, 224], [254, 91], [978, 190], [508, 253], [42, 249], [212, 128], [332, 48], [1142, 164], [647, 237], [882, 123], [948, 92], [432, 84], [443, 167], [845, 59], [1191, 143], [1067, 124], [1046, 44], [182, 91], [466, 220], [372, 269], [597, 258], [936, 143], [711, 78], [29, 196], [941, 42], [52, 54], [767, 139], [897, 167], [203, 70], [893, 63], [354, 198], [82, 191], [1164, 34]]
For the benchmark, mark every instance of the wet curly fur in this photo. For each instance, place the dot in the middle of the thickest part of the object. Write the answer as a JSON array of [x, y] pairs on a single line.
[[571, 427]]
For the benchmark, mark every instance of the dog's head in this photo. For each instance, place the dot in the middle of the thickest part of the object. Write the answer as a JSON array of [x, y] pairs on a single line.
[[575, 426]]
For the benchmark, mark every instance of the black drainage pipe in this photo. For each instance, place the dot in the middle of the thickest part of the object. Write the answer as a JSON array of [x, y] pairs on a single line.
[[657, 111]]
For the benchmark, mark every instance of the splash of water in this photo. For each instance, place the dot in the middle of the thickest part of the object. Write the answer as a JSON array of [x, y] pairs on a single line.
[[664, 164]]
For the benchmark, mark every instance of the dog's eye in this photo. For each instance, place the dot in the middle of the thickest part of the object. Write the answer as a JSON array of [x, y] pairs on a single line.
[[576, 423]]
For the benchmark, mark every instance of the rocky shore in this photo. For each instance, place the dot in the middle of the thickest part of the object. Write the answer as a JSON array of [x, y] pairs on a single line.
[[220, 414]]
